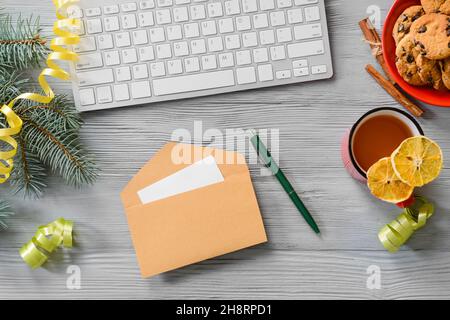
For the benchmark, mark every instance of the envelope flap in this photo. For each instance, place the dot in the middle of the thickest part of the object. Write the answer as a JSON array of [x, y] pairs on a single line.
[[174, 157]]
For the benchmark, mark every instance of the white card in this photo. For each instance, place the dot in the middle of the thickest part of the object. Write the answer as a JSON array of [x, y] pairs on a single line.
[[198, 175]]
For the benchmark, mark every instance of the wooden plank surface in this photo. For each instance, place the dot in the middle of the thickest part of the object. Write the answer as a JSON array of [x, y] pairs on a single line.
[[311, 119]]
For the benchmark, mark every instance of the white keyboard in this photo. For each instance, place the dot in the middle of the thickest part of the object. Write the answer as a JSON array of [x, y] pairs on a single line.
[[136, 52]]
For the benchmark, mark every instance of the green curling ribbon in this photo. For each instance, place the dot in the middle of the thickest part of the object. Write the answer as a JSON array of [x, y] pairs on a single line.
[[47, 238], [396, 233]]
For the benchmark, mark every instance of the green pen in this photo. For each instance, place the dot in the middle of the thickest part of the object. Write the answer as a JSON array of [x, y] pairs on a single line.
[[270, 163]]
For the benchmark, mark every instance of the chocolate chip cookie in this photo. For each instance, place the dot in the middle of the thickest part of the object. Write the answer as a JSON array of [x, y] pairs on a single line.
[[445, 69], [430, 72], [431, 33], [436, 6], [404, 22], [406, 61]]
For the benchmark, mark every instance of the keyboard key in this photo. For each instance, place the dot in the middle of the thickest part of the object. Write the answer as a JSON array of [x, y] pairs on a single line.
[[129, 21], [163, 51], [191, 64], [157, 35], [243, 23], [93, 12], [226, 60], [140, 71], [94, 26], [157, 69], [164, 3], [295, 16], [277, 18], [146, 19], [140, 90], [89, 61], [284, 3], [215, 9], [215, 44], [277, 53], [283, 74], [111, 9], [243, 57], [308, 31], [86, 44], [299, 64], [198, 46], [129, 56], [209, 62], [312, 14], [146, 54], [305, 49], [123, 74], [148, 4], [74, 12], [191, 30], [260, 21], [266, 4], [163, 17], [112, 58], [301, 72], [226, 25], [267, 37], [182, 1], [96, 77], [232, 42], [208, 28], [249, 6], [105, 41], [123, 39], [128, 7], [198, 12], [232, 7], [195, 82], [180, 49], [265, 72], [174, 67], [250, 39], [260, 55], [104, 94], [246, 75], [180, 14], [284, 35], [121, 92], [140, 37], [303, 2], [319, 69], [111, 23], [87, 97]]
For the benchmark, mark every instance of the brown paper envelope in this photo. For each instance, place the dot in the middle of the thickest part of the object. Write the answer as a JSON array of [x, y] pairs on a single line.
[[195, 225]]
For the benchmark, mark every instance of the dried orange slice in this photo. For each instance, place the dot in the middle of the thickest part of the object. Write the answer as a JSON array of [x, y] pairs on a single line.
[[417, 161], [385, 184]]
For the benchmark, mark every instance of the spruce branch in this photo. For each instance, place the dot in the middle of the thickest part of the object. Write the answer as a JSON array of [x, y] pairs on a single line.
[[5, 212], [21, 45], [29, 174], [60, 150]]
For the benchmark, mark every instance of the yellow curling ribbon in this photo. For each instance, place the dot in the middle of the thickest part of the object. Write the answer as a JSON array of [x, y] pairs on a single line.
[[64, 37], [396, 233], [47, 238]]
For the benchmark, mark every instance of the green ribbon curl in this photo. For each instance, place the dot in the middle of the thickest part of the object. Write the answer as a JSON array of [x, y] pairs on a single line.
[[46, 240], [393, 235]]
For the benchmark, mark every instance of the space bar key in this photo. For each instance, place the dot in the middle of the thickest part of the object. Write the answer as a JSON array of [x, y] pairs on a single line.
[[194, 82]]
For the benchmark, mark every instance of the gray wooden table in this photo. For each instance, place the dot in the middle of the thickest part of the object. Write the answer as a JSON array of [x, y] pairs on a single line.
[[294, 263]]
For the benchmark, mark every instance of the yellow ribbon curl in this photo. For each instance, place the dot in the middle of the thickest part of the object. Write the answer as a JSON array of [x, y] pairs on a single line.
[[396, 233], [47, 238], [64, 37]]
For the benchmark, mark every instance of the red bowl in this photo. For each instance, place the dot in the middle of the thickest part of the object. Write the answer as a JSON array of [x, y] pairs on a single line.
[[427, 95]]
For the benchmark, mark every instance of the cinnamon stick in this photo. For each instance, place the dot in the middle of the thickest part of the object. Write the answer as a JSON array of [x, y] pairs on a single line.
[[373, 38], [393, 91]]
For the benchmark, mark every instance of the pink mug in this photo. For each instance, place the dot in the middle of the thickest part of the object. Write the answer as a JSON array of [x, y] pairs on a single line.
[[347, 154]]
